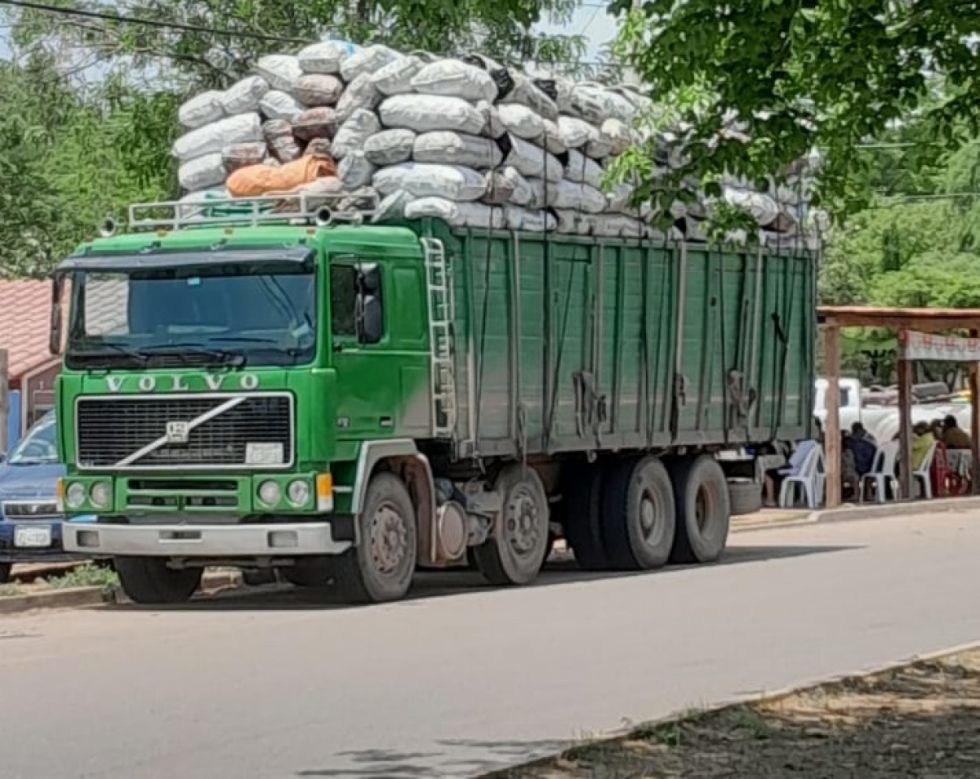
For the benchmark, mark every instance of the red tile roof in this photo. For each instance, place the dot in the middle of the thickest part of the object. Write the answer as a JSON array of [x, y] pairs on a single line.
[[25, 317]]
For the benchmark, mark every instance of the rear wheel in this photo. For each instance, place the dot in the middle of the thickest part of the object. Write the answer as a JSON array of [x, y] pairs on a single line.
[[149, 580], [582, 515], [703, 511], [381, 566], [515, 551], [5, 572], [638, 513]]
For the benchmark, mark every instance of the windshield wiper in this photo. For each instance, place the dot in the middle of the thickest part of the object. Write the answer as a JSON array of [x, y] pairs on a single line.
[[114, 349], [234, 359]]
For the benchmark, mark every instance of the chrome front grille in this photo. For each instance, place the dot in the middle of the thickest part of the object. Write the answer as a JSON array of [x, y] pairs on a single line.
[[204, 430], [30, 509]]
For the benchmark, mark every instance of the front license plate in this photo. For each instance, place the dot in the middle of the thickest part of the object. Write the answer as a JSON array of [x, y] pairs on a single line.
[[36, 536]]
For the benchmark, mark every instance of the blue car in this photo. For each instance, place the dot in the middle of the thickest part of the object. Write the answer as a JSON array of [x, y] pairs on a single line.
[[30, 524]]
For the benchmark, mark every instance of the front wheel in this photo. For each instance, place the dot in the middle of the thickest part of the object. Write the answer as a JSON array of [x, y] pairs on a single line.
[[381, 566], [149, 580], [516, 549]]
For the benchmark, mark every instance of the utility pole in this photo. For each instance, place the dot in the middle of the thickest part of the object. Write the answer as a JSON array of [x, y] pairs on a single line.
[[4, 401]]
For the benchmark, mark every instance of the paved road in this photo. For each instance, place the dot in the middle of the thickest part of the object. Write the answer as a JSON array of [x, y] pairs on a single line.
[[456, 681]]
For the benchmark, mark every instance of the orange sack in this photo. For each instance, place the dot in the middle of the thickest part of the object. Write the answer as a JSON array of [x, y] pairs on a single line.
[[256, 180]]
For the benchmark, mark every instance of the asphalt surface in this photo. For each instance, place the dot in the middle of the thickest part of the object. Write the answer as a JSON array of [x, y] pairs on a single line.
[[458, 680]]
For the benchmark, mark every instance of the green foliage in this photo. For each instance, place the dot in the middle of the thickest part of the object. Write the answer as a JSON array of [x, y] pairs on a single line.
[[87, 575], [759, 83], [69, 158], [205, 59]]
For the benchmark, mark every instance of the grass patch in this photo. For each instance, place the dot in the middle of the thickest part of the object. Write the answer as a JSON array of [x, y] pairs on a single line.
[[6, 590], [88, 575]]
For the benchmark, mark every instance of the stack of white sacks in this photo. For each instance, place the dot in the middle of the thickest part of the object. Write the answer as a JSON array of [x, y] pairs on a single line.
[[471, 142]]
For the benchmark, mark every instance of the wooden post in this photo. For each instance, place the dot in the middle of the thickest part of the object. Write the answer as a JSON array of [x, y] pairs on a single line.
[[4, 401], [905, 423], [832, 450], [975, 424]]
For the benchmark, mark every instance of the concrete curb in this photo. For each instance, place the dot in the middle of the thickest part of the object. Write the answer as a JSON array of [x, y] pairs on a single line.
[[878, 510], [773, 696], [72, 597]]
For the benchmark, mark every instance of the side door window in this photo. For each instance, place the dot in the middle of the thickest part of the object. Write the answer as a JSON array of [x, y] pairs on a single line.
[[356, 301]]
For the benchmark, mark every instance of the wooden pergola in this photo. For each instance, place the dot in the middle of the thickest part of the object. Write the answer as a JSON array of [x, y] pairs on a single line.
[[903, 321]]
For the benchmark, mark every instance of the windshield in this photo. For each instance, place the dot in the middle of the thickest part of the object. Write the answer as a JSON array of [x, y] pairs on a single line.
[[38, 446], [220, 313]]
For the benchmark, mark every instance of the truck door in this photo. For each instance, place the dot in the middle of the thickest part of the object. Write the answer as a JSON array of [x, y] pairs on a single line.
[[379, 347]]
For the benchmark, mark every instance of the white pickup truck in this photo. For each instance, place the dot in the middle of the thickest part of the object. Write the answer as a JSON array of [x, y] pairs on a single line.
[[881, 418]]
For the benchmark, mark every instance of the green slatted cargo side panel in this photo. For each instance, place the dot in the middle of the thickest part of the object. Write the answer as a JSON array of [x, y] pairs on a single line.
[[568, 344]]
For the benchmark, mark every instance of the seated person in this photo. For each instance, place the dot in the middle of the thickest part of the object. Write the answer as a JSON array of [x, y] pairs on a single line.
[[922, 441], [863, 449], [954, 436], [776, 476]]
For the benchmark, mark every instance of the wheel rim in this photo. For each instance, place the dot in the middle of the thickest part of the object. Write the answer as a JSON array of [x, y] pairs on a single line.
[[389, 539], [651, 513], [521, 521]]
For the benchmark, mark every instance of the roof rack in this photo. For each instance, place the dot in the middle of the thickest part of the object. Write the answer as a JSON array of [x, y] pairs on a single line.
[[300, 208]]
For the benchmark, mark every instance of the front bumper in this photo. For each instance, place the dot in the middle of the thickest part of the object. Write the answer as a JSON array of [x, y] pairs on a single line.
[[279, 539], [9, 553]]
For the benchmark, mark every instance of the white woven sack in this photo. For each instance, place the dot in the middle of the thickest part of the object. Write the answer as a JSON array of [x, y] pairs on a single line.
[[452, 182], [533, 160], [280, 70], [573, 222], [424, 113], [446, 146], [500, 189], [367, 61], [521, 121], [389, 147], [279, 105], [552, 138], [599, 147], [581, 169], [575, 133], [526, 92], [594, 103], [354, 132], [764, 209], [617, 133], [318, 89], [523, 192], [244, 95], [492, 126], [202, 172], [454, 78], [215, 136], [564, 87], [531, 220], [457, 214], [241, 155], [618, 197], [355, 170], [544, 193], [393, 206], [578, 197], [201, 109], [359, 94], [325, 57], [395, 78]]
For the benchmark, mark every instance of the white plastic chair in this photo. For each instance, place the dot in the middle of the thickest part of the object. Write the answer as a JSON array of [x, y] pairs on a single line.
[[882, 475], [810, 480], [922, 473]]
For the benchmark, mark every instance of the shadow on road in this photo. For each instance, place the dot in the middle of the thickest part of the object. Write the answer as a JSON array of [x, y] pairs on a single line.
[[460, 582], [487, 756]]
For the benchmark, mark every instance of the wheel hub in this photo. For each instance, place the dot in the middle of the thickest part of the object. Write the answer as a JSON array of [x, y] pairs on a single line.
[[389, 539], [521, 521], [650, 512]]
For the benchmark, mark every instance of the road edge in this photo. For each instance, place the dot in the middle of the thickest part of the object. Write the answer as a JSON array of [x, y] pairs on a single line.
[[772, 696]]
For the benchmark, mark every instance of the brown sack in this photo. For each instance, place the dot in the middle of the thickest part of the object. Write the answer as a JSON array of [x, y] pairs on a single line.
[[258, 180]]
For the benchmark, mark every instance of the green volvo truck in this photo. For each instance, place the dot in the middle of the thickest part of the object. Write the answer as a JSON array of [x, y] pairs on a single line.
[[346, 402]]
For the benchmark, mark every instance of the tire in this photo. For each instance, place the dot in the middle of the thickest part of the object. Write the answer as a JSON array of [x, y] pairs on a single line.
[[745, 497], [5, 572], [381, 566], [314, 571], [148, 580], [703, 511], [582, 514], [639, 515], [515, 551]]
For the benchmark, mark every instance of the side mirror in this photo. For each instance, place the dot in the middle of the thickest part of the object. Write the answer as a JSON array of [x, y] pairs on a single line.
[[54, 336]]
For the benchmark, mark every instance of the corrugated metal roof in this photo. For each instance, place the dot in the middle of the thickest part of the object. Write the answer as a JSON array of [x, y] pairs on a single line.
[[25, 317]]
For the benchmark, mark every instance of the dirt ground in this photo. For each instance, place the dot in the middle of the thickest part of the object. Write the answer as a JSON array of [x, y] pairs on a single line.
[[921, 721]]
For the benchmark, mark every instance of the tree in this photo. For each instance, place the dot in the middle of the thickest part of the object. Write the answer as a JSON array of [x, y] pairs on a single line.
[[500, 28], [758, 84]]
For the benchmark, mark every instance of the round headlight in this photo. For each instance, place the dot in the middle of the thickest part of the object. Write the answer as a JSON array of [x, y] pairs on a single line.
[[75, 495], [270, 492], [298, 492], [100, 494]]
